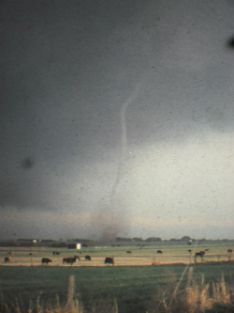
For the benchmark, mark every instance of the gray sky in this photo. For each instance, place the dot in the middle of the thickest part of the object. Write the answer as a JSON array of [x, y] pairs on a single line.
[[116, 118]]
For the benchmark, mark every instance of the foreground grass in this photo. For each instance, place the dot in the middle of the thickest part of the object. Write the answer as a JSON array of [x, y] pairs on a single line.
[[187, 295]]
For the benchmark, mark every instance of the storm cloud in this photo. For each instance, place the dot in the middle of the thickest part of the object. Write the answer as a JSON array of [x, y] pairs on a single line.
[[67, 71]]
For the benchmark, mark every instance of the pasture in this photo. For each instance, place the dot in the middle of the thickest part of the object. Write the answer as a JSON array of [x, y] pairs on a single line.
[[132, 281], [123, 256]]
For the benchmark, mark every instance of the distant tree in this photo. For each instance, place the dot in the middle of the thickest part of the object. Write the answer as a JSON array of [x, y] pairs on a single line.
[[153, 239], [202, 240], [224, 240], [185, 238], [137, 239], [123, 239], [174, 240]]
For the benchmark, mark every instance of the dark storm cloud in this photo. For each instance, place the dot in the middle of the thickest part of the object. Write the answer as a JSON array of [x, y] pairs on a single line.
[[67, 68]]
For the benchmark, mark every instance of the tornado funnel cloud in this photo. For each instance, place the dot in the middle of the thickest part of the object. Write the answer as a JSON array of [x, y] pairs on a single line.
[[124, 137], [116, 214]]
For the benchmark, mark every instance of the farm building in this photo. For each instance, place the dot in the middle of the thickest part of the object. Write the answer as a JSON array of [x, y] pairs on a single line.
[[76, 246]]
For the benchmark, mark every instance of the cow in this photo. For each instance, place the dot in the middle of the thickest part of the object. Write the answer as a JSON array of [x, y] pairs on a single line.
[[56, 253], [71, 260], [88, 258], [159, 252], [129, 251], [7, 259], [200, 254], [46, 261], [109, 260], [229, 252]]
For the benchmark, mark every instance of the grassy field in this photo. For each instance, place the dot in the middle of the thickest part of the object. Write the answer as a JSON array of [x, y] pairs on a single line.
[[139, 255], [134, 288]]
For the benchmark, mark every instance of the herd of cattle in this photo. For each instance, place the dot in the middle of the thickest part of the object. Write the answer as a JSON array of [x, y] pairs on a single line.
[[110, 260], [73, 259], [67, 260]]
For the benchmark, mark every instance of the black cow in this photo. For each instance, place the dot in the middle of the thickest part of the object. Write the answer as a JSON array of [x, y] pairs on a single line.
[[159, 252], [229, 252], [200, 254], [109, 260], [46, 261], [129, 251], [7, 259], [71, 260], [56, 253], [88, 258]]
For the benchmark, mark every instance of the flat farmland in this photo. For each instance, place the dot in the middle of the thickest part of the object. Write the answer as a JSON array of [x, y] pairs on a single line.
[[123, 256], [132, 281]]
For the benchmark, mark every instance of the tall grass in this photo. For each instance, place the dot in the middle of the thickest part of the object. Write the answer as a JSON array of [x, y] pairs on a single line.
[[195, 296], [207, 295]]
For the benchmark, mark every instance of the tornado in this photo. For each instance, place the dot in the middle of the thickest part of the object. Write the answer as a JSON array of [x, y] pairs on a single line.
[[114, 227]]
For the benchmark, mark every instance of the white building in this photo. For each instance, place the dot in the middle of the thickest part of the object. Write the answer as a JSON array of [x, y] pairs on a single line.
[[78, 246]]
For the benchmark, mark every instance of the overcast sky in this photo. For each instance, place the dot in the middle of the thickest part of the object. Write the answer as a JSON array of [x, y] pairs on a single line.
[[116, 118]]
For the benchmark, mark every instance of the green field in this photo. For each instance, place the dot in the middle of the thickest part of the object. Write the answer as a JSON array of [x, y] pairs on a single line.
[[134, 288]]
